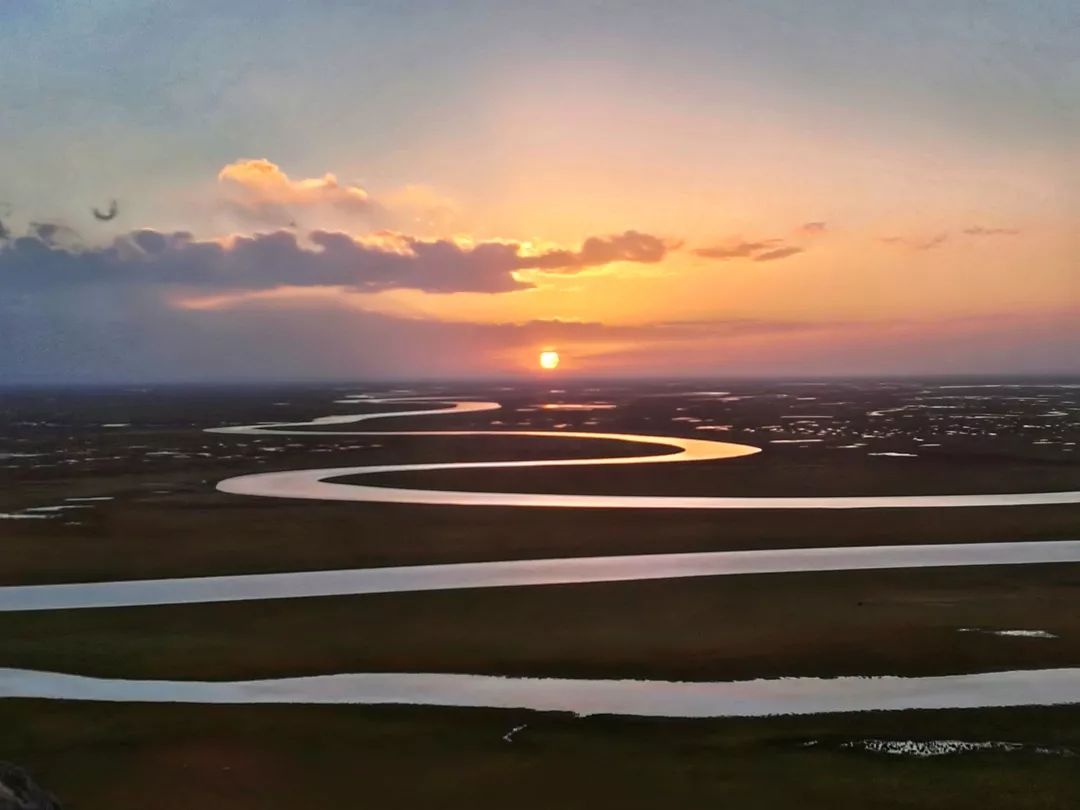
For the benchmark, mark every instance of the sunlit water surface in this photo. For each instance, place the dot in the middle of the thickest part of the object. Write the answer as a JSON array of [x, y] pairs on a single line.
[[655, 698]]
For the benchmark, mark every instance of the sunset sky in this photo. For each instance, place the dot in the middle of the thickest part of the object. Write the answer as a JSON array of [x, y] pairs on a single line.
[[406, 189]]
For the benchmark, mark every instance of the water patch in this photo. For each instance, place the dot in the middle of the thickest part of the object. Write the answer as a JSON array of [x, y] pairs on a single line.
[[922, 749], [60, 508], [577, 406], [312, 484], [1013, 633], [522, 573], [752, 698], [509, 736]]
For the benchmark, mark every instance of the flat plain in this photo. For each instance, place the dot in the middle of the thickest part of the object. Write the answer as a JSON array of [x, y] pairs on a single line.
[[143, 457]]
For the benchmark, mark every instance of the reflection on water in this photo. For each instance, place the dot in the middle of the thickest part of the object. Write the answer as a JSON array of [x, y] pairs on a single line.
[[519, 573], [577, 406], [312, 484], [647, 698], [655, 698]]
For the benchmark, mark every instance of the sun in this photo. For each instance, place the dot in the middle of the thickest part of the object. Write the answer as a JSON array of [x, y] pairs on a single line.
[[549, 360]]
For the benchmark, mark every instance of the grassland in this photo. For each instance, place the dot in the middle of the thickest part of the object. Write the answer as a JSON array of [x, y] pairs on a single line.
[[825, 624], [165, 519], [103, 757]]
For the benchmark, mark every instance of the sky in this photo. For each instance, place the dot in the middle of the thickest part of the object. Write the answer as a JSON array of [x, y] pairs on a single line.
[[350, 190]]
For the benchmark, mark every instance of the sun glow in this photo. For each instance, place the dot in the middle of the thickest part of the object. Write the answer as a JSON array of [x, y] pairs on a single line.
[[549, 360]]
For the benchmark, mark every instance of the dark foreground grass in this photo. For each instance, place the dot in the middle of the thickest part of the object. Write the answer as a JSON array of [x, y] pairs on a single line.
[[902, 622], [121, 757]]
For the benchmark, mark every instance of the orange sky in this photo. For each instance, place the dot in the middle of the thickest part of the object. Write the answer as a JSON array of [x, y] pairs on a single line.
[[721, 188]]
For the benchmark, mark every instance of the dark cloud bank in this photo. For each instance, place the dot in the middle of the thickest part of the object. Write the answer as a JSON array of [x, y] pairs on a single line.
[[37, 262], [109, 314]]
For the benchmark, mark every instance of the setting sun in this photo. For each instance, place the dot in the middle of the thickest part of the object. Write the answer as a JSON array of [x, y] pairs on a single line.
[[549, 359]]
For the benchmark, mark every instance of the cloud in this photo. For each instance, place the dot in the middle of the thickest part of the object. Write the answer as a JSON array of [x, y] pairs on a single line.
[[930, 243], [737, 250], [779, 253], [136, 334], [52, 233], [915, 244], [258, 192], [766, 250], [133, 332], [259, 189], [630, 246], [980, 231], [386, 261], [150, 258], [813, 228]]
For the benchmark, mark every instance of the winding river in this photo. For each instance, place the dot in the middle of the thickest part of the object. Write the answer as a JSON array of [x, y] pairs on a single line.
[[583, 696], [313, 484]]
